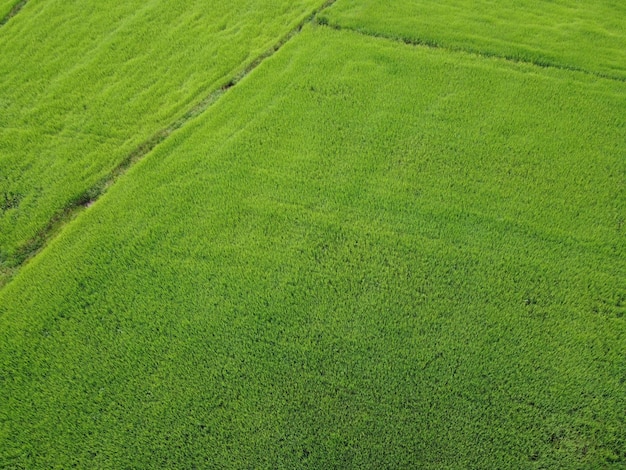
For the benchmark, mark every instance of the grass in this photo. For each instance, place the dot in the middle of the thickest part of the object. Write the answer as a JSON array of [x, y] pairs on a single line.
[[365, 255], [5, 8], [84, 86], [587, 35]]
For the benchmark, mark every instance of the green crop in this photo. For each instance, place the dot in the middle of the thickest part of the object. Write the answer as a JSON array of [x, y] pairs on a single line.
[[587, 35], [5, 7], [364, 255], [83, 85]]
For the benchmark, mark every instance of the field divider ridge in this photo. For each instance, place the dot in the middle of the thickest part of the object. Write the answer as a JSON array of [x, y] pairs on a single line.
[[14, 11], [10, 266], [432, 44]]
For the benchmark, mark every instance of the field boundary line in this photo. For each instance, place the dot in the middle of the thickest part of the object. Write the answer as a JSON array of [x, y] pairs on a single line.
[[14, 11], [11, 265], [431, 44]]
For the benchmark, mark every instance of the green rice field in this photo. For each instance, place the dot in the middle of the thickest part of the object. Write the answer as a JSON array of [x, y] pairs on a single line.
[[588, 35], [367, 251], [83, 86]]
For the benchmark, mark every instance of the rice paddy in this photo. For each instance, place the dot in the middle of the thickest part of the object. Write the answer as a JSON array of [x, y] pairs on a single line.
[[364, 254], [588, 35], [85, 86]]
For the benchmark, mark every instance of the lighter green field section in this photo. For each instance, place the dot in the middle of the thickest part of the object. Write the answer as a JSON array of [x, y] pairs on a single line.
[[366, 255], [579, 34], [82, 85]]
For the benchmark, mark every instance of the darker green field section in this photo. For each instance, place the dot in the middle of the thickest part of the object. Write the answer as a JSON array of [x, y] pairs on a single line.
[[587, 35], [84, 85], [365, 255]]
